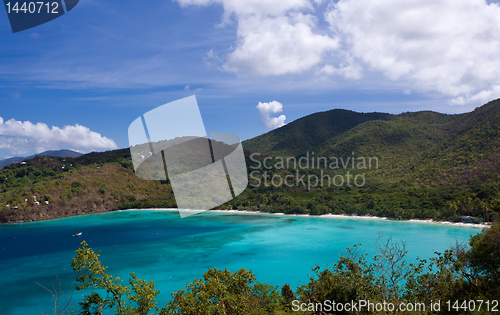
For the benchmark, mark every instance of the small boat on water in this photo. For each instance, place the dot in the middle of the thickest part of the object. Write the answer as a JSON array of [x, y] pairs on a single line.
[[78, 234]]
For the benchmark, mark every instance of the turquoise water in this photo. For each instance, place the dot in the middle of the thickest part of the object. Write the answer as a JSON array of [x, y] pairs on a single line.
[[160, 245]]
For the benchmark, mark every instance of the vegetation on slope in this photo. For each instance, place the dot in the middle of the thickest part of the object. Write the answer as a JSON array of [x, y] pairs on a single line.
[[50, 187], [429, 166], [309, 132]]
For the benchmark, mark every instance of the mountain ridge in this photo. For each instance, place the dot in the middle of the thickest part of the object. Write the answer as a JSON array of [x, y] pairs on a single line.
[[55, 153], [432, 166], [307, 133]]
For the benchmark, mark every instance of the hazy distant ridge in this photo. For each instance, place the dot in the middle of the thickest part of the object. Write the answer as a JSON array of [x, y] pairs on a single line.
[[55, 153]]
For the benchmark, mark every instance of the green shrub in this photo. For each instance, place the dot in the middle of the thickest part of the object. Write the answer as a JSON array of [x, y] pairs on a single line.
[[76, 184], [130, 198], [78, 190]]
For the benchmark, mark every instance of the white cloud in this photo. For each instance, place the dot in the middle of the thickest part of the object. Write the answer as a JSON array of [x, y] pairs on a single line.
[[452, 47], [273, 37], [348, 68], [276, 46], [448, 46], [20, 138], [265, 111], [253, 7]]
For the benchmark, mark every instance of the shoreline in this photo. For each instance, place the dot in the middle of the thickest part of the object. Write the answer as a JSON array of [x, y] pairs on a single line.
[[333, 216], [329, 215]]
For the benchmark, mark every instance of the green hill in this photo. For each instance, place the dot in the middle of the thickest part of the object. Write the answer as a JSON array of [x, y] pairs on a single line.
[[309, 132], [431, 165], [428, 165], [57, 153], [94, 182]]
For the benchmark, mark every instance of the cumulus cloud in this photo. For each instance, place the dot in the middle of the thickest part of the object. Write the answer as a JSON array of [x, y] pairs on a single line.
[[266, 110], [253, 7], [279, 45], [20, 138], [452, 47], [348, 67], [274, 37]]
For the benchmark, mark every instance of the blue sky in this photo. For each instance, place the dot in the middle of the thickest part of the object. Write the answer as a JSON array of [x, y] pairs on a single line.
[[80, 80]]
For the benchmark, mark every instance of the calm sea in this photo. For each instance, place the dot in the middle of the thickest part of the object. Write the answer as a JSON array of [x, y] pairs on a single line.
[[160, 245]]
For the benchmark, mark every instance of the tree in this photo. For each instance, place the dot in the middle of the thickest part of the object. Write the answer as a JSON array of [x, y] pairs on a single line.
[[58, 294], [463, 272], [223, 292], [393, 269], [480, 266], [352, 278], [287, 294], [219, 292], [138, 298]]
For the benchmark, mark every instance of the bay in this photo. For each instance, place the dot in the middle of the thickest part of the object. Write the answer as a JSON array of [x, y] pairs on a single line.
[[160, 245]]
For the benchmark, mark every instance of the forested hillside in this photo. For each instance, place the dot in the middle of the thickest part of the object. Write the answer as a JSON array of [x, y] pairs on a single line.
[[309, 132], [51, 187], [425, 165], [431, 165]]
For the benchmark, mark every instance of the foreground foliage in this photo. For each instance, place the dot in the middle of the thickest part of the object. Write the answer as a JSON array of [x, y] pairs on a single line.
[[461, 273], [223, 292]]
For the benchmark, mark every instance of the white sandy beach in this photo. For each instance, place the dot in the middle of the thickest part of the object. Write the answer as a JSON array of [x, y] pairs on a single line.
[[334, 216]]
